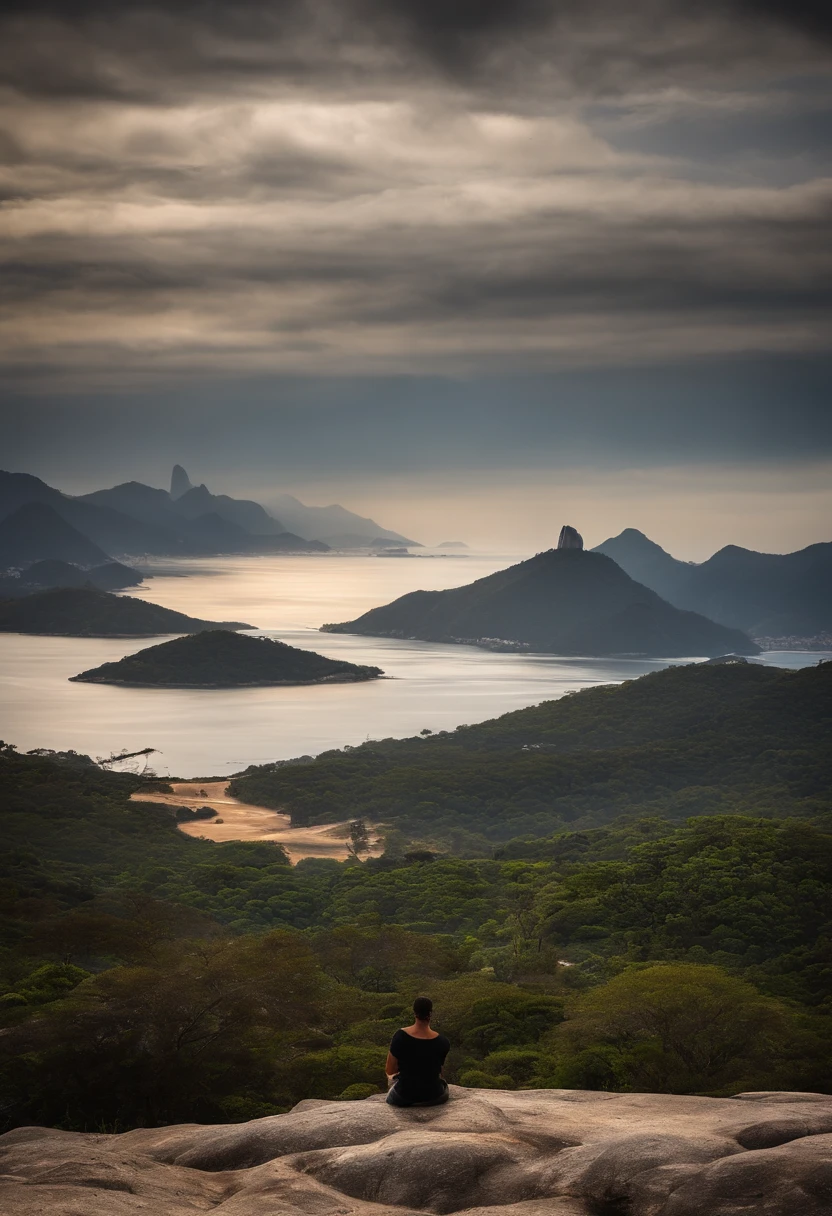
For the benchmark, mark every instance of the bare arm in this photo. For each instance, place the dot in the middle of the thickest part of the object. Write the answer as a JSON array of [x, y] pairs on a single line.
[[392, 1065]]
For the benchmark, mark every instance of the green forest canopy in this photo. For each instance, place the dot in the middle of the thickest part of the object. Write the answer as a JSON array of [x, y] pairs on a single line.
[[133, 951], [697, 739]]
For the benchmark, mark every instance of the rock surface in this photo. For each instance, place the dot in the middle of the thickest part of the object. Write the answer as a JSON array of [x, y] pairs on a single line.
[[180, 482], [487, 1153], [570, 538]]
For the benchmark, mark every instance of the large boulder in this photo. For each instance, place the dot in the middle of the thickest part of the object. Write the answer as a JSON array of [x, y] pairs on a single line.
[[570, 538], [486, 1153]]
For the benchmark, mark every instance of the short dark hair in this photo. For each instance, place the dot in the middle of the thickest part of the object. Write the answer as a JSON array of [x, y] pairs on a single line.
[[423, 1007]]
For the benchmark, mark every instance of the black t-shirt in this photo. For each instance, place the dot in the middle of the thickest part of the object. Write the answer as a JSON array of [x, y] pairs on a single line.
[[420, 1062]]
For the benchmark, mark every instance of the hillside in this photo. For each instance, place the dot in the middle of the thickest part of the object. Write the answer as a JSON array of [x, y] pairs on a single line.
[[137, 519], [774, 594], [112, 576], [220, 659], [646, 562], [335, 525], [86, 612], [764, 594], [36, 532], [696, 739], [113, 530], [249, 516], [564, 602], [202, 522], [132, 950]]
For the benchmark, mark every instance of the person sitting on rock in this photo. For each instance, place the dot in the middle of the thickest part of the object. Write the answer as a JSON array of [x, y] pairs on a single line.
[[415, 1060]]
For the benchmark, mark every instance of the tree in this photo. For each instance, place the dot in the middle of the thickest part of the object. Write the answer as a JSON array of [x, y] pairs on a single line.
[[677, 1028], [147, 1045], [359, 838]]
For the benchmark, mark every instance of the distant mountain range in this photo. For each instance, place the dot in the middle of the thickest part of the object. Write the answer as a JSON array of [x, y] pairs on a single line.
[[36, 532], [564, 601], [38, 522], [334, 525], [86, 612], [764, 594], [220, 659]]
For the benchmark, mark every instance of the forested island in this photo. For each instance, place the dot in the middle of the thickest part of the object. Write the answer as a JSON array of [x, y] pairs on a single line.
[[564, 601], [218, 658], [87, 612]]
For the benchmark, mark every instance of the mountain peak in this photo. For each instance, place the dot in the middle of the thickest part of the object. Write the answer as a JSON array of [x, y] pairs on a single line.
[[631, 540], [570, 538], [180, 482], [563, 601]]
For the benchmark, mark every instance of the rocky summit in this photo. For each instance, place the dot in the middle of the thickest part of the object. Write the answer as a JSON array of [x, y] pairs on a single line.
[[570, 538], [486, 1153]]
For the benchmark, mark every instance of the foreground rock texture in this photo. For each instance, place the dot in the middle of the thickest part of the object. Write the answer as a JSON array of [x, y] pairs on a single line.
[[487, 1153]]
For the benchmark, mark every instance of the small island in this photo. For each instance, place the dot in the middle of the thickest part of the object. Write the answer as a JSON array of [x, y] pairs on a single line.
[[86, 612], [221, 659]]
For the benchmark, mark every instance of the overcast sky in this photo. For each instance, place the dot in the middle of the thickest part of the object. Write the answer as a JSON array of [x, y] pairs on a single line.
[[465, 266]]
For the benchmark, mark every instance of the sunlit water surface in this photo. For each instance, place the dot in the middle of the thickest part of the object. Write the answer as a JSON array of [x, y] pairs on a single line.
[[219, 731]]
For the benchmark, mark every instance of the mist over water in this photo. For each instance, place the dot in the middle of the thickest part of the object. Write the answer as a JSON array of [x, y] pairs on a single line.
[[201, 733]]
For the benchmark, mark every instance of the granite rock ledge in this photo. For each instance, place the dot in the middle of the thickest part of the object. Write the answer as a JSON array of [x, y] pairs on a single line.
[[487, 1153]]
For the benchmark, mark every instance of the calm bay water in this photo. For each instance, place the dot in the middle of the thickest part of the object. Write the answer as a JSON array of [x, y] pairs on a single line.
[[215, 732]]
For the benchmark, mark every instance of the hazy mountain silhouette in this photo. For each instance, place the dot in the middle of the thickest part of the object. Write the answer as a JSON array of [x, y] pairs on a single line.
[[219, 659], [112, 530], [334, 525], [191, 518], [87, 612], [180, 482], [240, 511], [36, 531], [563, 601], [765, 594], [136, 519], [646, 562]]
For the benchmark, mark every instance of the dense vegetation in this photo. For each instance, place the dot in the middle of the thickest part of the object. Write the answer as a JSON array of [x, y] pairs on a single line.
[[701, 958], [86, 612], [219, 659], [564, 601], [699, 739]]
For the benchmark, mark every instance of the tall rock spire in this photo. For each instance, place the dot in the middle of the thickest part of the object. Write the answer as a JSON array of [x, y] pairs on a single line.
[[570, 538], [180, 482]]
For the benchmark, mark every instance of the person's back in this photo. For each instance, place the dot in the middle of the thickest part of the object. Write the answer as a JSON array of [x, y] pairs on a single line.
[[414, 1061]]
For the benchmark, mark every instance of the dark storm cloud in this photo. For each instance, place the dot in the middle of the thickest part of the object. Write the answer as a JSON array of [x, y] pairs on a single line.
[[370, 186], [146, 50]]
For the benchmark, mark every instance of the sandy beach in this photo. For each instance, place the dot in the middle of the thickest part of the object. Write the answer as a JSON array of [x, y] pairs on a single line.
[[241, 821]]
